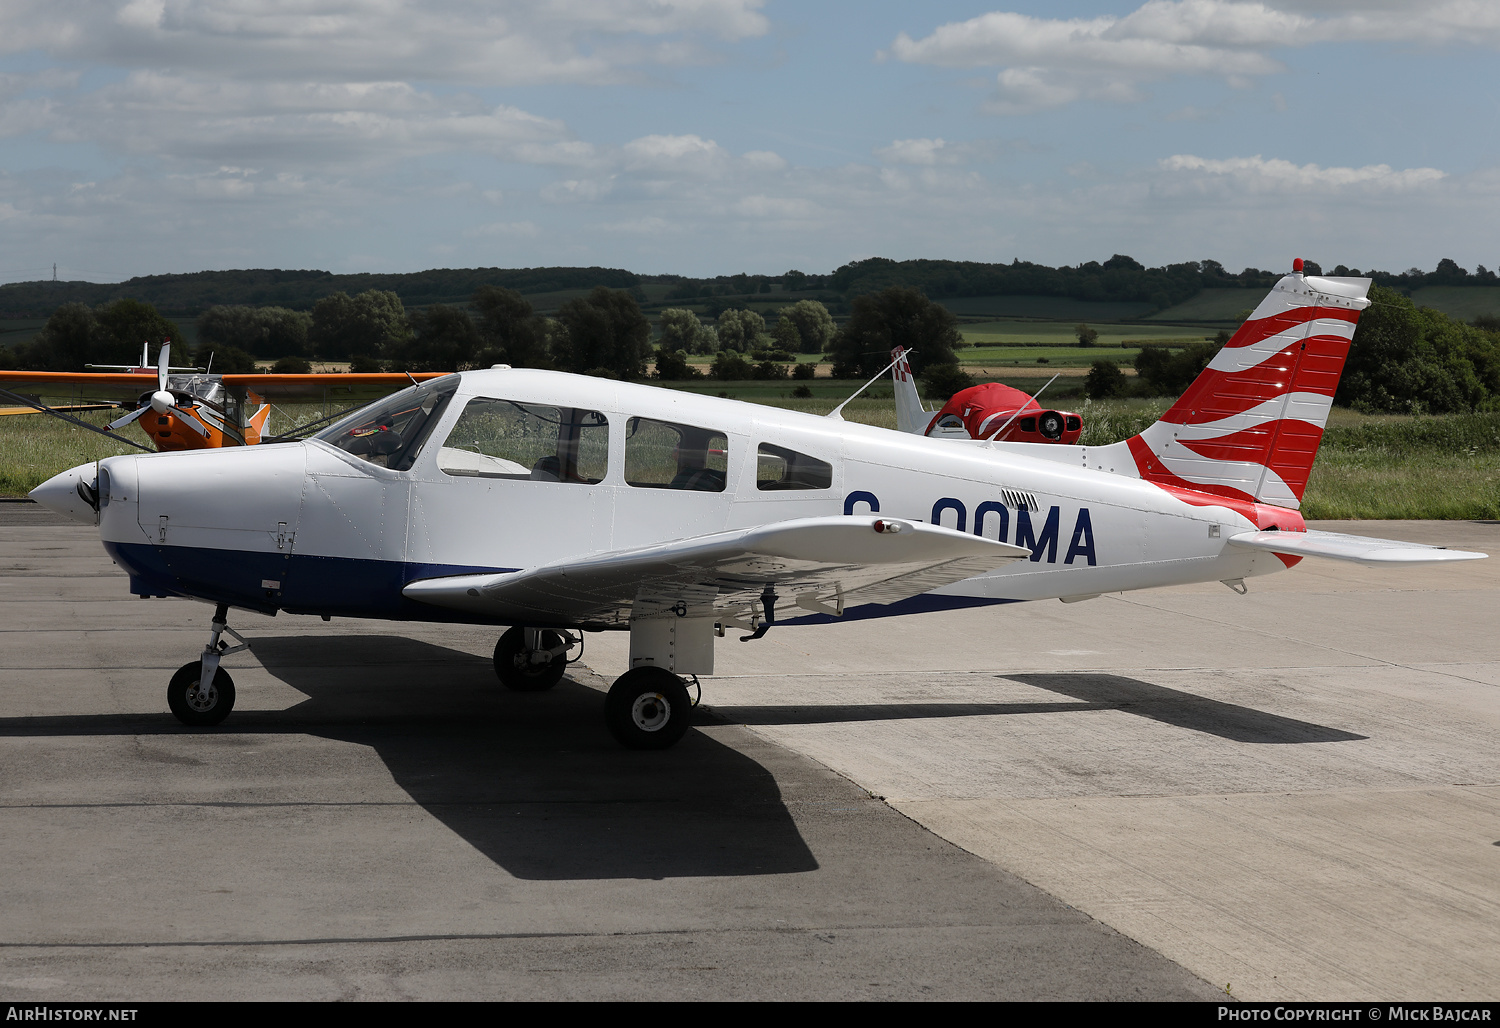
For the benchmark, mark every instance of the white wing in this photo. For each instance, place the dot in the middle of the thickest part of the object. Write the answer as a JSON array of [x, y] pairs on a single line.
[[1357, 548], [817, 563]]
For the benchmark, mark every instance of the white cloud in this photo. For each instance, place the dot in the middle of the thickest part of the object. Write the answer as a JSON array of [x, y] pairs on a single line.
[[1047, 62], [913, 151], [333, 84], [765, 160], [304, 123], [1256, 174], [932, 152], [499, 42], [577, 190], [675, 154]]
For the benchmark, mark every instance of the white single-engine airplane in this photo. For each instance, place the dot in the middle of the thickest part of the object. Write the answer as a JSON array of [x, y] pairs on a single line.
[[555, 504]]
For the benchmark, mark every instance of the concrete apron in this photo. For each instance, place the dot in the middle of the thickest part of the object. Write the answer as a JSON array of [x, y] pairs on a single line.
[[1295, 794]]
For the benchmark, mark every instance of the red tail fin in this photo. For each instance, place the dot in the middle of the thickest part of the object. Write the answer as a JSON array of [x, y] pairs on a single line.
[[1248, 428]]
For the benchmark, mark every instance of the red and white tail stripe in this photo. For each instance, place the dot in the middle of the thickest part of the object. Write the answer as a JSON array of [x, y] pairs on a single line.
[[1248, 428]]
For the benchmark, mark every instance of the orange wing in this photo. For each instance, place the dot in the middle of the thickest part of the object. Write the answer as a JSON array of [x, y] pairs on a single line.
[[335, 386], [96, 385], [66, 408]]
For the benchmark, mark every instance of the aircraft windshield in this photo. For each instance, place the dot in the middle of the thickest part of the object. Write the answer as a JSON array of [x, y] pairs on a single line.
[[391, 433]]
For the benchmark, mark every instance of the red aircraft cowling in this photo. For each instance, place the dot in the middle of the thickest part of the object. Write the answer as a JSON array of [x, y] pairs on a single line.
[[981, 410]]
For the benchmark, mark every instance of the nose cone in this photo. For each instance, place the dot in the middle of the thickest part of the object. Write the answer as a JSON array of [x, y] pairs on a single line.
[[72, 494]]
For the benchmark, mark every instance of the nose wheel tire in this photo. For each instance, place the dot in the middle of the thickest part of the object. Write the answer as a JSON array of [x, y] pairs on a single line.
[[513, 663], [648, 709], [192, 704]]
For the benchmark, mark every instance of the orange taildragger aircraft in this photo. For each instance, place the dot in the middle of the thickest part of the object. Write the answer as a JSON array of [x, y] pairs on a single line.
[[189, 409]]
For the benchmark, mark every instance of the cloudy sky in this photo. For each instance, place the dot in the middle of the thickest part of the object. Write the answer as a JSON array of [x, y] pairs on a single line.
[[706, 137]]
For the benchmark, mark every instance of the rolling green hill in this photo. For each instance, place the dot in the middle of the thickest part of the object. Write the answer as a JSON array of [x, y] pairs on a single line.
[[1462, 302]]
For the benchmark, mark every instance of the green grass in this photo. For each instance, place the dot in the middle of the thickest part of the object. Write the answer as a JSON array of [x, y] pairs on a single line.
[[1407, 467], [1444, 467], [1050, 308], [1111, 333], [1002, 344], [34, 448], [1056, 356]]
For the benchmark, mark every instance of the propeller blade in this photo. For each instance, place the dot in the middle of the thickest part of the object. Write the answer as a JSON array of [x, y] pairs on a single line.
[[127, 419], [191, 422], [162, 362]]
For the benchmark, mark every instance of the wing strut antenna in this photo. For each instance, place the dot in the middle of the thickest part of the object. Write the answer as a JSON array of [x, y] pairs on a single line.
[[18, 398], [836, 416], [1017, 412]]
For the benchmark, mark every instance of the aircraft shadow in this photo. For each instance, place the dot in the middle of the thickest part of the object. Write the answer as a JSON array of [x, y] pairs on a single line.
[[1089, 692], [533, 781]]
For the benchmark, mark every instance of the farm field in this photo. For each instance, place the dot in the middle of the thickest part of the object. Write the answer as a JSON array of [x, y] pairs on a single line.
[[1212, 305], [1462, 302], [1046, 308]]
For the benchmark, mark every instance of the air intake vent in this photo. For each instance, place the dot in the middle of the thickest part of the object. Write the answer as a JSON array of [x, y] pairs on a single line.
[[1019, 500]]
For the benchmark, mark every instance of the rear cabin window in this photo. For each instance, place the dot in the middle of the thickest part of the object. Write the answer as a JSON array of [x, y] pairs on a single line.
[[776, 467], [507, 439], [666, 455]]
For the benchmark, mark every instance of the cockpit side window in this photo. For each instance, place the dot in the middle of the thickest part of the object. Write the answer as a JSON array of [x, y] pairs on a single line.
[[777, 467], [391, 433], [667, 455], [508, 439]]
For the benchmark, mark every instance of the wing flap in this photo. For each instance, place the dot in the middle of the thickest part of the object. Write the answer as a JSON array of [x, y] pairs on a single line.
[[814, 562], [1357, 548]]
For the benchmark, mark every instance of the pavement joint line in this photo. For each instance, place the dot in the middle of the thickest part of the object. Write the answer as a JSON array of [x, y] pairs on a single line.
[[1036, 669], [1283, 791], [506, 936], [260, 805]]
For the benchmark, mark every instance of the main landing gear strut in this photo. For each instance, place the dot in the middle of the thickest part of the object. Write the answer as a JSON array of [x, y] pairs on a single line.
[[202, 693]]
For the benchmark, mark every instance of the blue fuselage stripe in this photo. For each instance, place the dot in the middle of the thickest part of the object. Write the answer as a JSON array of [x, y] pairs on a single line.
[[296, 583], [352, 587]]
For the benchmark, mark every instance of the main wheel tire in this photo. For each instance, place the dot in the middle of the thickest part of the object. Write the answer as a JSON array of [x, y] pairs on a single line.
[[190, 705], [525, 676], [648, 709]]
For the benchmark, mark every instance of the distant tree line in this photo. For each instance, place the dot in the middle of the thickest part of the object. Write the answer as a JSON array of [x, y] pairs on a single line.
[[301, 289], [1404, 359], [1119, 279], [78, 335]]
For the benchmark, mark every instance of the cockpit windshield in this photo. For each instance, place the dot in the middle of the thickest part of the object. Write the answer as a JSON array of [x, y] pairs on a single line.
[[390, 433]]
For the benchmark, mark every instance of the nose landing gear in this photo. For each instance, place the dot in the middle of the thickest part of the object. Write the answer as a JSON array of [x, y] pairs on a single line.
[[533, 659], [191, 700]]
